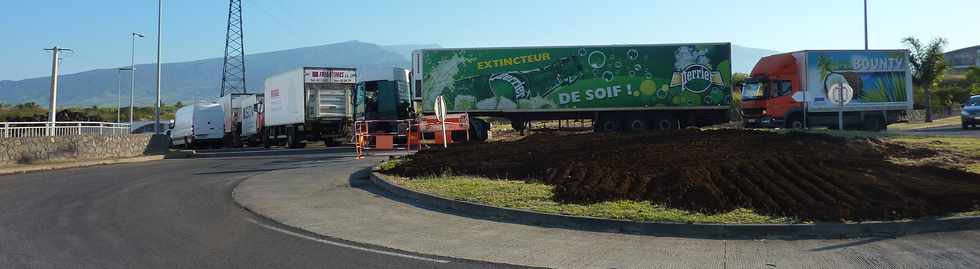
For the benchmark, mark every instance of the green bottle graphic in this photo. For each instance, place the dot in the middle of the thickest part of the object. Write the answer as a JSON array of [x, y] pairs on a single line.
[[518, 84]]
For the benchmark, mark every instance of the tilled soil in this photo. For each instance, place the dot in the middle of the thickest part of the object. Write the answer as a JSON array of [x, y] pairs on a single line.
[[810, 176]]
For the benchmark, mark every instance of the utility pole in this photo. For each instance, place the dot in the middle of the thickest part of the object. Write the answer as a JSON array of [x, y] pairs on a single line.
[[132, 77], [52, 110], [156, 125], [233, 72], [865, 24], [119, 93]]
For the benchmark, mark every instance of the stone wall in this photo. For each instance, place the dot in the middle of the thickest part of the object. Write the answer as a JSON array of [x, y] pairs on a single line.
[[28, 150]]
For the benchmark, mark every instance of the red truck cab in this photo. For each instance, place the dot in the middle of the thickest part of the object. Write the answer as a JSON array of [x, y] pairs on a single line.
[[767, 96]]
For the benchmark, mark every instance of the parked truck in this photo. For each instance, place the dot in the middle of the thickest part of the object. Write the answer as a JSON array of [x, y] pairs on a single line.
[[619, 87], [866, 89], [232, 105], [311, 104], [252, 119]]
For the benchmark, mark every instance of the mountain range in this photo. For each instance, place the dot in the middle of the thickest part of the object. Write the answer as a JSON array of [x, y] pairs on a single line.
[[188, 81]]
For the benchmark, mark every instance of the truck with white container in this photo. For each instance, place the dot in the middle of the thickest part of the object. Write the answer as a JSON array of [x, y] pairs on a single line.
[[198, 125], [252, 119], [618, 87], [309, 104], [859, 89], [232, 105]]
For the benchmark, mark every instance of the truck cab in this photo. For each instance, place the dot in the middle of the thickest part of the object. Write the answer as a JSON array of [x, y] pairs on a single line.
[[767, 96]]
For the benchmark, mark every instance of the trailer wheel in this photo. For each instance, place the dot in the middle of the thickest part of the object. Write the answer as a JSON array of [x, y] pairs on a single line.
[[292, 141], [608, 124], [518, 125], [663, 122], [636, 123], [479, 130], [266, 142]]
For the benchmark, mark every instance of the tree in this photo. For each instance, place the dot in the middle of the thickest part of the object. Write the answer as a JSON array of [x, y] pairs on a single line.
[[973, 77], [928, 66]]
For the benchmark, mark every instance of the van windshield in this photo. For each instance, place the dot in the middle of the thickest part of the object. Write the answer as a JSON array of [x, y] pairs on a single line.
[[753, 91]]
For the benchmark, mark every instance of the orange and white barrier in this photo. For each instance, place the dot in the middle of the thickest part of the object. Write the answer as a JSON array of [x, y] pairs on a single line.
[[414, 131]]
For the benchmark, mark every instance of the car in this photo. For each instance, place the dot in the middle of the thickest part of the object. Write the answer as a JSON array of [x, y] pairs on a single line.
[[146, 127], [971, 112]]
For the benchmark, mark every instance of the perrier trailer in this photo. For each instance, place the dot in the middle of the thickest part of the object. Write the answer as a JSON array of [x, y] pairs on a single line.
[[620, 87]]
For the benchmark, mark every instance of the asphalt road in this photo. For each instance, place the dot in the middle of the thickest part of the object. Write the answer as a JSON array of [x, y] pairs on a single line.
[[950, 130], [172, 214]]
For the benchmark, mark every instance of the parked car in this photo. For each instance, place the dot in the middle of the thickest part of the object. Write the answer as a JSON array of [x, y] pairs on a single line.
[[971, 112], [146, 127]]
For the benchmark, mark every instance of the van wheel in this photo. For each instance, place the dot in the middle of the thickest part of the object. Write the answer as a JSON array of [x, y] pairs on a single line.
[[874, 124]]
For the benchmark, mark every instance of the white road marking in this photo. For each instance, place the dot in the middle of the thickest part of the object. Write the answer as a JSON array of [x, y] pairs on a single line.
[[382, 252]]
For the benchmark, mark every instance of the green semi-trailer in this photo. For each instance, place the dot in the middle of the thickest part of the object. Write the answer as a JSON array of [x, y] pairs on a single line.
[[619, 87]]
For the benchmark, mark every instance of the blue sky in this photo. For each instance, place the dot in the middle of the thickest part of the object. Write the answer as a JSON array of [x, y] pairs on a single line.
[[98, 30]]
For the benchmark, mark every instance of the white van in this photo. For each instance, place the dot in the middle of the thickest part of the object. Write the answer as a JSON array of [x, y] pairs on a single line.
[[197, 125]]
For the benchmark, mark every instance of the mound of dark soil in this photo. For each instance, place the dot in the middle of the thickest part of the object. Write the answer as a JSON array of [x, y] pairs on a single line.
[[810, 176]]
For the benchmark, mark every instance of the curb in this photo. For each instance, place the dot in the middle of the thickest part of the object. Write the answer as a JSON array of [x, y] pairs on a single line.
[[59, 166], [666, 229]]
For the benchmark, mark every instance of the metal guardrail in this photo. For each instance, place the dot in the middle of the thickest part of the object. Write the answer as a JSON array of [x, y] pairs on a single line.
[[64, 128]]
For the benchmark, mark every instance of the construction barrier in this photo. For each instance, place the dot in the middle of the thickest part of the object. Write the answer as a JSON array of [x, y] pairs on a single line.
[[385, 134]]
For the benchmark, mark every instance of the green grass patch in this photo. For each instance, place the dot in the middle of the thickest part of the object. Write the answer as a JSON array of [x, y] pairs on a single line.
[[965, 146], [539, 197]]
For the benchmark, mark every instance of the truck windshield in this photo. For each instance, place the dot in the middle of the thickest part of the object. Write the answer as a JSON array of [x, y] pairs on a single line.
[[753, 91]]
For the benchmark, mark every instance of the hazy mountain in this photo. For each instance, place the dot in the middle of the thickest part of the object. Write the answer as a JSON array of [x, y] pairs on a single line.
[[744, 58], [406, 50], [200, 79]]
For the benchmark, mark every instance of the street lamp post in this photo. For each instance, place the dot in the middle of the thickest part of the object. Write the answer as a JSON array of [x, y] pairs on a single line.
[[132, 77], [156, 126], [865, 24], [119, 94]]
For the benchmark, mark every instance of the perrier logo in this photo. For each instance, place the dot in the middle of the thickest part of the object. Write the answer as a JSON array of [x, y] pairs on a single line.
[[696, 78]]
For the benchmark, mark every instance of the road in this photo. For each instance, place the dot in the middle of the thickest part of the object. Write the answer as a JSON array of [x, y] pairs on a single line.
[[950, 130], [172, 214]]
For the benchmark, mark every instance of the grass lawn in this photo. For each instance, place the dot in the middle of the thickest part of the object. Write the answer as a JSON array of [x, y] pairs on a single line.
[[969, 147], [538, 197]]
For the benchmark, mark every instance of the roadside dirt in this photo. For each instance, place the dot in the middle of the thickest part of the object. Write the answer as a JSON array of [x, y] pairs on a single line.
[[810, 176]]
